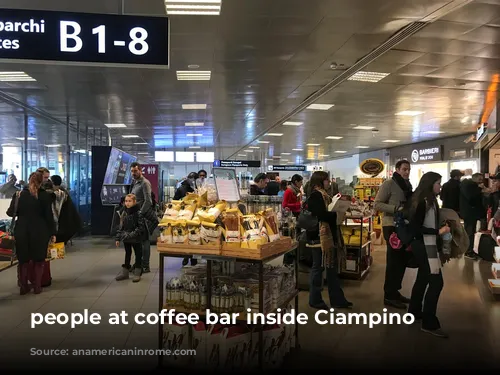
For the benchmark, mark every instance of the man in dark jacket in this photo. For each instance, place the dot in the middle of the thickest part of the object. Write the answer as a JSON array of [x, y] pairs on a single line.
[[260, 184], [450, 193], [273, 186], [472, 208]]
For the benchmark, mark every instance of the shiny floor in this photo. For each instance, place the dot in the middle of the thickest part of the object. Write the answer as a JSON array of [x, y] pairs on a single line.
[[85, 280]]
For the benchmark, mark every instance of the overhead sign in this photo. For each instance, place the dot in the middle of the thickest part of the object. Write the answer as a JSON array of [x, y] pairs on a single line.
[[287, 168], [372, 167], [425, 155], [95, 39], [314, 168], [481, 131], [237, 163]]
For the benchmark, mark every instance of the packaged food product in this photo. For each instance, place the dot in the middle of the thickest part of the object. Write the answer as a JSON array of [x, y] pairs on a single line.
[[271, 221], [187, 210], [231, 222], [166, 234], [194, 234], [211, 214], [179, 232], [210, 234], [252, 231], [172, 210]]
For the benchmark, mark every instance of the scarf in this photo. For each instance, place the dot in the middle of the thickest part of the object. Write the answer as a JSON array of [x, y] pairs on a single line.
[[332, 246], [295, 189], [405, 185], [430, 240]]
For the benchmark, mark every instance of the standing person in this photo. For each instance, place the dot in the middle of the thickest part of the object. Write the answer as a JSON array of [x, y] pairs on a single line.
[[45, 172], [391, 197], [34, 230], [260, 184], [428, 253], [472, 208], [327, 246], [273, 186], [202, 174], [450, 194], [292, 198], [283, 187], [141, 189], [131, 232], [47, 274], [68, 221], [9, 188], [186, 187]]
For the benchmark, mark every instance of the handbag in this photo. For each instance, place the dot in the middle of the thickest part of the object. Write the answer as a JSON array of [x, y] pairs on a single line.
[[8, 242], [307, 220]]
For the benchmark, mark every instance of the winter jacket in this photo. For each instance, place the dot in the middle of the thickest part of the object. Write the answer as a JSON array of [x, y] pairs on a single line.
[[254, 190], [450, 195], [272, 188], [183, 190], [70, 222], [316, 205], [389, 198], [291, 202], [471, 201], [132, 226]]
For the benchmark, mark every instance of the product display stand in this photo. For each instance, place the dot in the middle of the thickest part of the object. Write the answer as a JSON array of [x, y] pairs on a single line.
[[166, 252], [358, 255], [494, 283]]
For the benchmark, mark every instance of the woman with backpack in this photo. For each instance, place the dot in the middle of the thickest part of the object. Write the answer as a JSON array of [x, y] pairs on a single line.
[[427, 249], [326, 243]]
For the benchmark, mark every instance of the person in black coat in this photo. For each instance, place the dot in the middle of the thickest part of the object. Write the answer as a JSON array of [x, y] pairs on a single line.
[[34, 230], [132, 232], [325, 248], [186, 186], [450, 193], [472, 207]]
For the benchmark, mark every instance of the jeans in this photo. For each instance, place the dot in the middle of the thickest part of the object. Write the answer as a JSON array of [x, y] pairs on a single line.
[[397, 261], [138, 254], [425, 280], [146, 253], [335, 292]]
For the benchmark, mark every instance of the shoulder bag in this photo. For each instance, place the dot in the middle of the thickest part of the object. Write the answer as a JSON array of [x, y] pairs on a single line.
[[306, 219], [9, 242]]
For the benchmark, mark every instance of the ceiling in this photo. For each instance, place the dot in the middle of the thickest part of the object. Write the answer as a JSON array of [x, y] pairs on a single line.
[[267, 58]]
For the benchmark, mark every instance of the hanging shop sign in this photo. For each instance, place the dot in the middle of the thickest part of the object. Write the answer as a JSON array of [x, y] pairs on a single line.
[[372, 167], [237, 163], [428, 154], [287, 168], [90, 39]]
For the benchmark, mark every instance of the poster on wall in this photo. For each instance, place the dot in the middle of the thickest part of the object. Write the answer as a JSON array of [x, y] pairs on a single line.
[[151, 172], [226, 184]]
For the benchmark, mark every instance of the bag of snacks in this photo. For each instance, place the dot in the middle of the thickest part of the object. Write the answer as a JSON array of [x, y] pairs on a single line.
[[231, 222], [211, 214], [194, 234], [187, 210], [166, 234], [56, 251], [252, 234], [271, 221], [179, 232], [172, 210], [210, 234]]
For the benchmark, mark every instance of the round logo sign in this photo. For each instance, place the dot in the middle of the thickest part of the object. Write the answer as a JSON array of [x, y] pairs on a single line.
[[372, 167], [415, 156]]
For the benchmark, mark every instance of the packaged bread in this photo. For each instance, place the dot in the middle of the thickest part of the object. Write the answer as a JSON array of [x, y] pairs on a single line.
[[252, 231], [194, 235], [231, 222], [271, 221], [166, 234], [187, 210], [190, 198], [210, 234], [172, 210], [211, 214], [179, 232]]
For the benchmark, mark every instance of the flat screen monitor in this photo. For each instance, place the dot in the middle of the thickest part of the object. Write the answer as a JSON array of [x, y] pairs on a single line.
[[118, 170], [112, 194]]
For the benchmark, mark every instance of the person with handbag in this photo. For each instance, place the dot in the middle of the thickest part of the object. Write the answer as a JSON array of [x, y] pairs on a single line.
[[292, 198], [34, 229], [326, 243]]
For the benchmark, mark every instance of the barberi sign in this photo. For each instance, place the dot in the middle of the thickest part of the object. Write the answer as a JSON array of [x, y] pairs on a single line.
[[427, 154]]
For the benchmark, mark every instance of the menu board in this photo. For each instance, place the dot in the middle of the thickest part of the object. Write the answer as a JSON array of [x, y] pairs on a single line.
[[113, 194], [118, 170], [226, 184]]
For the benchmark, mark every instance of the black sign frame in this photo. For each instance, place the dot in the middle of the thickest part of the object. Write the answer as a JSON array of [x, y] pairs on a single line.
[[108, 47], [237, 164], [436, 156], [289, 168]]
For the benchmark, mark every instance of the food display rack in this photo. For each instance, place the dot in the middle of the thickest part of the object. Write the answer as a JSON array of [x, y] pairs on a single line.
[[170, 252], [359, 256], [494, 283]]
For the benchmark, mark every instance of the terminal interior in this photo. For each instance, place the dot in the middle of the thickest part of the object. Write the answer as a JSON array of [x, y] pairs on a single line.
[[320, 83]]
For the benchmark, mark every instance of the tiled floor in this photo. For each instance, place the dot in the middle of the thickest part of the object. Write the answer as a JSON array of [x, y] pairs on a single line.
[[85, 280]]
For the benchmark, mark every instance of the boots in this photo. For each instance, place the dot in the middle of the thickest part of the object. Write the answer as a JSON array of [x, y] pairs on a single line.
[[137, 275], [124, 274], [22, 275], [38, 268]]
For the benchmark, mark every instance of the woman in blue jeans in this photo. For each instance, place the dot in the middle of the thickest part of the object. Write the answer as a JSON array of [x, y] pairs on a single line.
[[326, 244]]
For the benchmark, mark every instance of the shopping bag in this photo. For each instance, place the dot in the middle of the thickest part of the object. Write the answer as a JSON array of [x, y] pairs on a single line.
[[56, 251]]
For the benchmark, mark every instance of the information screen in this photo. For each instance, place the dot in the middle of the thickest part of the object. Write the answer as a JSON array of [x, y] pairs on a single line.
[[112, 194], [96, 39], [118, 170]]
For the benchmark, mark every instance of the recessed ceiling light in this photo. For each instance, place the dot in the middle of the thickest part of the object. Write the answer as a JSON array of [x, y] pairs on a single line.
[[362, 146], [141, 143], [390, 141], [276, 157], [362, 76], [324, 156], [81, 151], [193, 7], [314, 144], [9, 145], [130, 136], [283, 160], [113, 126], [321, 107], [409, 113], [194, 124], [193, 75], [333, 137], [464, 120], [341, 152], [241, 155], [143, 153], [290, 162], [29, 138], [274, 134], [298, 149], [194, 147], [15, 77], [194, 135], [434, 132], [285, 153], [193, 66], [264, 142], [292, 123], [247, 150], [194, 106], [52, 146], [360, 127], [311, 158], [255, 147]]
